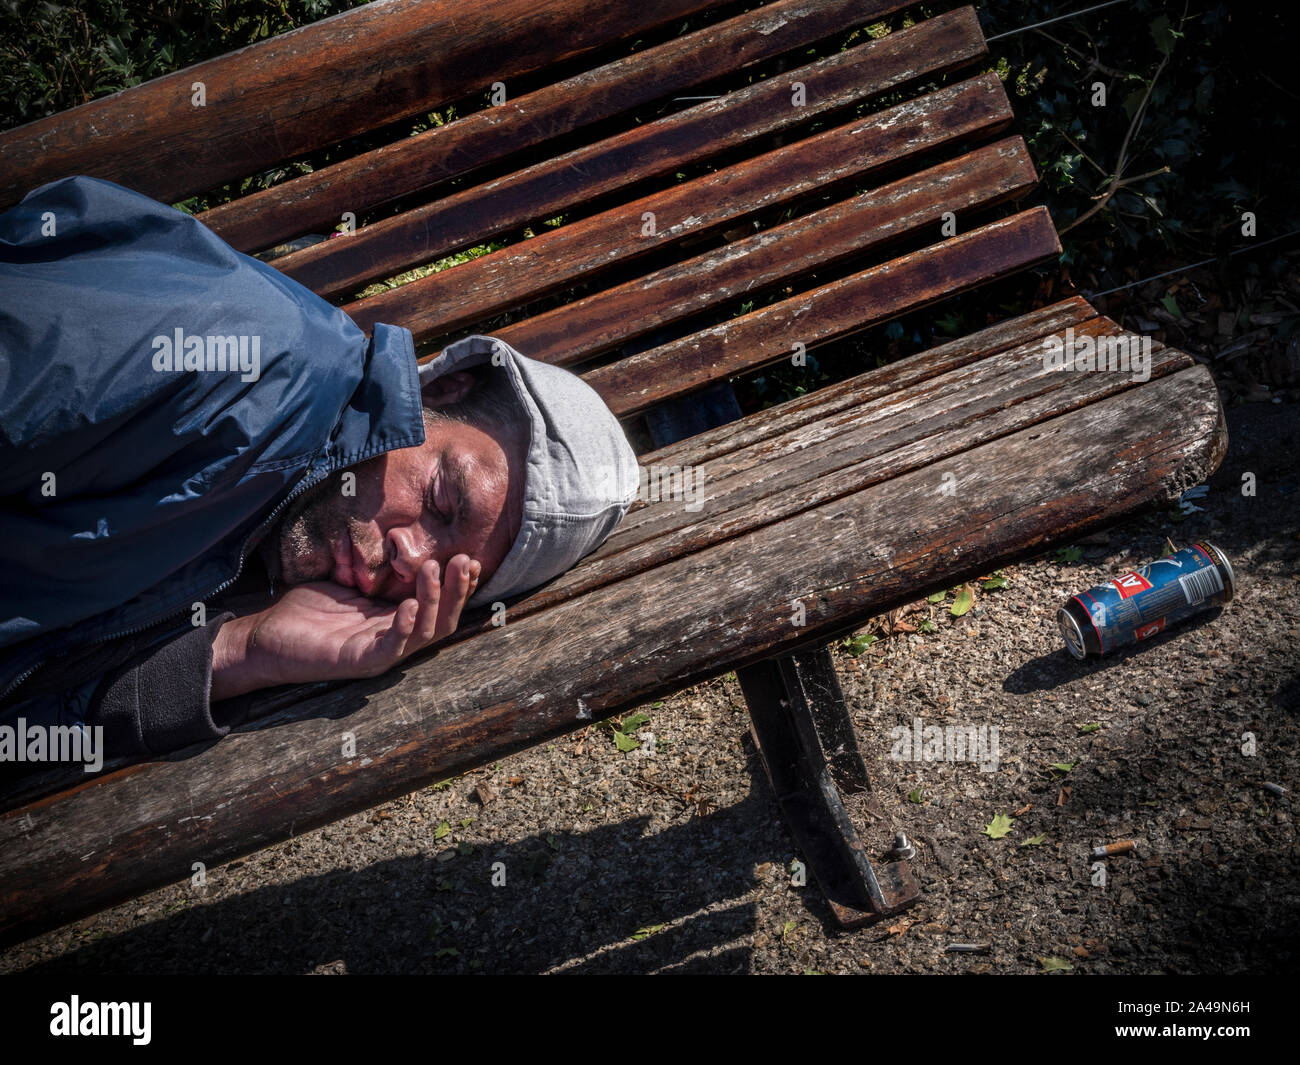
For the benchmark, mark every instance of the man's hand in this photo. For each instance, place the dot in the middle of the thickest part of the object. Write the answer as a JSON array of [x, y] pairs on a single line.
[[323, 631]]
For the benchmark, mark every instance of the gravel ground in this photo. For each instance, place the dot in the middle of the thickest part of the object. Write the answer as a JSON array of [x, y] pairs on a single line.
[[677, 861]]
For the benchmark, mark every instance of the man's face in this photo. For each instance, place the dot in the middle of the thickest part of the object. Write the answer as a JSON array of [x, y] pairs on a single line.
[[450, 496]]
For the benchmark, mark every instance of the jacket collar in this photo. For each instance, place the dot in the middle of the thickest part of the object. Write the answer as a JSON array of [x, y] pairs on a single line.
[[384, 413]]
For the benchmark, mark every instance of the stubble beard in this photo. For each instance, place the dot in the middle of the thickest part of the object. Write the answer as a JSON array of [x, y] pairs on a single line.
[[302, 544]]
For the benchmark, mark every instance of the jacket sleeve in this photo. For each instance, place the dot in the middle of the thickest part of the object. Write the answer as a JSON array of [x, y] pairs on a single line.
[[150, 693]]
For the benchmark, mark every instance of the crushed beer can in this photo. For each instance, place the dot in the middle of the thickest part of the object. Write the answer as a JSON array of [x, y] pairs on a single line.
[[1137, 605]]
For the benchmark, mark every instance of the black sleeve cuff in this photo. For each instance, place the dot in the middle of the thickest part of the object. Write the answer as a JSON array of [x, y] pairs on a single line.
[[159, 702]]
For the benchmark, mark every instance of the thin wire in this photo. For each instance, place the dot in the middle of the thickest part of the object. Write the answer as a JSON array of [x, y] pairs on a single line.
[[1059, 18], [1192, 266]]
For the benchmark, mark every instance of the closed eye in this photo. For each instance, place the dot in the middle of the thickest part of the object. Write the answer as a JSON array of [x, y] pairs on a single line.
[[462, 493], [432, 501]]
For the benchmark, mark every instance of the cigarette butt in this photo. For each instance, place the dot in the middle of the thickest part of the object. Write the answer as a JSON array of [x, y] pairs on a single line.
[[1112, 849], [968, 948], [1274, 789]]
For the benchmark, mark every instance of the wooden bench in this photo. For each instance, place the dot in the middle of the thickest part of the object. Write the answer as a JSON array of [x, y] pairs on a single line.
[[816, 514]]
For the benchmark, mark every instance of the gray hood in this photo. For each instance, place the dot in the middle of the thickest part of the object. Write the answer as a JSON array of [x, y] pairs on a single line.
[[581, 474]]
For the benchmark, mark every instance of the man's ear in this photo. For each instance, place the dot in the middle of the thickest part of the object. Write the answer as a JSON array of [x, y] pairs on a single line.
[[449, 388]]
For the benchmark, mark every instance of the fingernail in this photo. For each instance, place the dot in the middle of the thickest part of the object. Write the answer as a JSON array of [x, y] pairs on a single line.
[[475, 568]]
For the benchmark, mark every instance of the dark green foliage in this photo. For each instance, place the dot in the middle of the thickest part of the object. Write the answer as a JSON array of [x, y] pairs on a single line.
[[1217, 108], [1214, 140]]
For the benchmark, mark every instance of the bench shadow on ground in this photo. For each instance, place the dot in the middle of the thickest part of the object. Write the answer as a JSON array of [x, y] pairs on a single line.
[[582, 903]]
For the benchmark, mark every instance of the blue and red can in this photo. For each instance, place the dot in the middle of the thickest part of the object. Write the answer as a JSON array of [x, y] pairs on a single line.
[[1137, 605]]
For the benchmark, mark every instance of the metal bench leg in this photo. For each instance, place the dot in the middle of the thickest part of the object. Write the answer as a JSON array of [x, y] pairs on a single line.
[[805, 735]]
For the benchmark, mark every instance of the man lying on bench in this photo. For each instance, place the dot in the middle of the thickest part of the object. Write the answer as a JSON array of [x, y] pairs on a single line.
[[180, 422]]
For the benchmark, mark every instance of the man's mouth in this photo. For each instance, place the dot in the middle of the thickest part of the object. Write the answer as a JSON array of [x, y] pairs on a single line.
[[351, 570], [367, 582]]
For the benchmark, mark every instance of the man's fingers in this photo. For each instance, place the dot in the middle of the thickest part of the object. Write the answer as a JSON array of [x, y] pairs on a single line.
[[435, 612], [461, 574], [391, 646], [429, 590]]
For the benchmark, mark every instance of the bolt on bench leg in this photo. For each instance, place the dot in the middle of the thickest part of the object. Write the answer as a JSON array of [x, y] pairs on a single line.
[[805, 736]]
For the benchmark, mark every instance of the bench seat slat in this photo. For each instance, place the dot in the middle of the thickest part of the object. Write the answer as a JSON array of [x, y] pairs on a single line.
[[872, 296], [884, 380], [425, 233], [316, 201], [726, 606], [876, 442], [881, 439], [442, 302]]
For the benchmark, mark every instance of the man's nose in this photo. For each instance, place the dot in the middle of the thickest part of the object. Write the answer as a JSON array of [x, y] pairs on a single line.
[[407, 551]]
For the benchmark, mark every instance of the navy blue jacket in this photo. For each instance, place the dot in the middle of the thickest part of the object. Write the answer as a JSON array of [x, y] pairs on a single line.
[[143, 448]]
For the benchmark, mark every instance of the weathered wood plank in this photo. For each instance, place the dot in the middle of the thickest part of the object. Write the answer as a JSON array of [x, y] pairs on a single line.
[[853, 557], [833, 398], [450, 299], [888, 435], [315, 202], [871, 296], [814, 463], [595, 324], [474, 215], [309, 88]]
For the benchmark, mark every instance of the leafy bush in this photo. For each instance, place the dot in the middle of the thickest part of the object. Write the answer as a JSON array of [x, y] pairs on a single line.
[[1193, 131], [1184, 139]]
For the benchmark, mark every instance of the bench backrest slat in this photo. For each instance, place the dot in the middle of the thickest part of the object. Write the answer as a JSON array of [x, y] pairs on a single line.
[[570, 334], [442, 302], [870, 297], [428, 232], [315, 202], [312, 87]]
